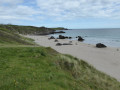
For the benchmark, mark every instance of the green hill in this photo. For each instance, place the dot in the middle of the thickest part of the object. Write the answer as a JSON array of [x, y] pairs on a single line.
[[28, 29], [9, 37]]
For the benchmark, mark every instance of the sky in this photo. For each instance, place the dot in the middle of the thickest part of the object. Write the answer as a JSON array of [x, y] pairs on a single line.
[[61, 13]]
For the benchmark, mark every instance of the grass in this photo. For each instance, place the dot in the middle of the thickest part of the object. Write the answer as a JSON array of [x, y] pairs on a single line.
[[27, 29], [9, 37], [39, 68], [27, 66]]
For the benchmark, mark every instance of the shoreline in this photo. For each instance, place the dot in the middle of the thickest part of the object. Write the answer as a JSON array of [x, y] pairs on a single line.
[[94, 36], [103, 59]]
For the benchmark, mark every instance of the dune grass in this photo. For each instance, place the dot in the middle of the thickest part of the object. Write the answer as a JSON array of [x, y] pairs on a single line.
[[39, 68], [9, 37]]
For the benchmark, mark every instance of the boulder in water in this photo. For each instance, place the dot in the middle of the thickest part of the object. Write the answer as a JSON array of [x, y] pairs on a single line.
[[80, 38]]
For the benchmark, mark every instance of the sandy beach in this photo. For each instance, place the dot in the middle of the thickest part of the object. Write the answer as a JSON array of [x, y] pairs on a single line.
[[106, 60]]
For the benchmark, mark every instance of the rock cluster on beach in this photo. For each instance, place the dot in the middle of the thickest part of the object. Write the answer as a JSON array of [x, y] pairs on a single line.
[[64, 37], [100, 45]]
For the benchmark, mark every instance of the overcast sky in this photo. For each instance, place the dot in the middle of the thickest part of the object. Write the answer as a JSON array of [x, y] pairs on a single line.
[[61, 13]]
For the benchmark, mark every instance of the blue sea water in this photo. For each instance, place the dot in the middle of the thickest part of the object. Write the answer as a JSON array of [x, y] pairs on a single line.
[[109, 37]]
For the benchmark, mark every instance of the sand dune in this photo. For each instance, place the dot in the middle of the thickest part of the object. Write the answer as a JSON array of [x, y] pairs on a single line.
[[106, 60]]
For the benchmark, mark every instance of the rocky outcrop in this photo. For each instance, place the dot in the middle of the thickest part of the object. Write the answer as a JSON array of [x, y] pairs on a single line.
[[58, 32], [64, 37], [80, 38], [100, 45]]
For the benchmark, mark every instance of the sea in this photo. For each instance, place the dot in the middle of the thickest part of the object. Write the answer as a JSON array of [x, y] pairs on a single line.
[[109, 37]]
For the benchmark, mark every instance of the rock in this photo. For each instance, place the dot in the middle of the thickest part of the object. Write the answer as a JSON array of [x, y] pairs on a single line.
[[70, 37], [80, 38], [62, 37], [60, 32], [66, 37], [58, 44], [56, 40], [67, 44], [100, 45], [52, 37]]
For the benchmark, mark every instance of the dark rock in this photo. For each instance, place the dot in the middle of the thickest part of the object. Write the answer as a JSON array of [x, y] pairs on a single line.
[[64, 37], [80, 38], [61, 37], [70, 37], [58, 44], [100, 45], [56, 40], [67, 44], [52, 33], [59, 32], [52, 37]]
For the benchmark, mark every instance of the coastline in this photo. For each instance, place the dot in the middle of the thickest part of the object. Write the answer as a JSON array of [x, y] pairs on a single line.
[[103, 59], [109, 37]]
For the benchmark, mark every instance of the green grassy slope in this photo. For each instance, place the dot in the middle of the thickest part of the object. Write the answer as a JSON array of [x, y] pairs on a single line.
[[39, 68], [9, 37], [27, 29]]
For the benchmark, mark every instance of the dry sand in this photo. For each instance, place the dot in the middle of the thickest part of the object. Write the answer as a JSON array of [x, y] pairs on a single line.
[[106, 60]]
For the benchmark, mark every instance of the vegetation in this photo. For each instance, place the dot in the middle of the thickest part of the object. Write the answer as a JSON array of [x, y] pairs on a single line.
[[39, 68], [9, 37], [23, 66], [27, 29]]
